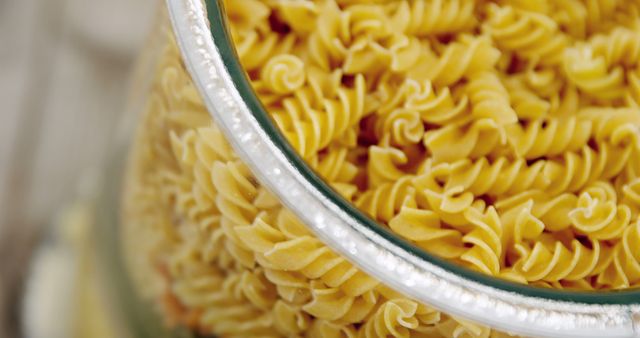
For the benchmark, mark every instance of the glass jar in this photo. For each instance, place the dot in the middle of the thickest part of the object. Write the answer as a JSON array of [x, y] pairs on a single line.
[[159, 279]]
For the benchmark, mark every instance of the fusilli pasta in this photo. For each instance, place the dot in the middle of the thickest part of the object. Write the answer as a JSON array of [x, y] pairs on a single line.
[[500, 135]]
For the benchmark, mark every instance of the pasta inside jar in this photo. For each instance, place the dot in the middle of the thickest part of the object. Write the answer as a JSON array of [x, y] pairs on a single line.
[[502, 136]]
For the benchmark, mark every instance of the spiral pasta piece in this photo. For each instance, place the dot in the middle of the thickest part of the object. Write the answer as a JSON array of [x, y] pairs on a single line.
[[384, 201], [577, 170], [620, 46], [366, 56], [552, 136], [228, 179], [619, 126], [254, 48], [590, 74], [299, 16], [235, 208], [433, 107], [530, 35], [319, 262], [519, 225], [290, 319], [309, 129], [489, 99], [334, 165], [333, 305], [238, 294], [598, 216], [459, 59], [383, 165], [631, 196], [552, 261], [394, 318], [624, 269], [632, 94], [425, 229], [542, 7], [283, 74], [581, 18], [454, 142], [599, 11], [526, 102], [247, 15], [366, 20], [326, 43], [552, 211], [459, 328], [546, 82], [450, 205], [485, 240], [496, 178], [291, 287], [571, 16], [422, 17], [402, 127]]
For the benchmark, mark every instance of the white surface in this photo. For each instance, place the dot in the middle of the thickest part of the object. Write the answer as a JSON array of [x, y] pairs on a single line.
[[64, 72], [48, 306], [13, 67], [65, 67]]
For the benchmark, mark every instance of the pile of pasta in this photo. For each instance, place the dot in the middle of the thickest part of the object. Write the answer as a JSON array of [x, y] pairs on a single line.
[[501, 135]]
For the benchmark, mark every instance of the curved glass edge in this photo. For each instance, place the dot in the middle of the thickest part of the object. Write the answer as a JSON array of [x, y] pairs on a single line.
[[223, 42], [139, 317], [385, 259]]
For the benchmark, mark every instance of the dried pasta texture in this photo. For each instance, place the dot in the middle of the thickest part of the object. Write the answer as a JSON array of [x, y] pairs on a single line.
[[500, 135]]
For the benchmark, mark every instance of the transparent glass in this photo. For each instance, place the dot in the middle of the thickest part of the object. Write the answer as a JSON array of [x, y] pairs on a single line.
[[225, 47], [133, 314], [210, 57]]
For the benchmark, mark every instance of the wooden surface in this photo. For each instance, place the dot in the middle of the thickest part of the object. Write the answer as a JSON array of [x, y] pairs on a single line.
[[64, 68]]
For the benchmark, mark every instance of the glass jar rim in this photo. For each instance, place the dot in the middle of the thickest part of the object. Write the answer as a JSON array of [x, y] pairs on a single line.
[[215, 68]]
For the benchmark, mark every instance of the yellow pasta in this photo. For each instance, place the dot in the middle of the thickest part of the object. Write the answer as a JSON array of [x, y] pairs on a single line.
[[625, 268], [474, 140], [459, 59], [530, 35], [425, 228], [383, 202], [620, 46], [527, 105], [500, 135], [434, 17], [485, 240], [489, 99], [590, 73], [560, 263]]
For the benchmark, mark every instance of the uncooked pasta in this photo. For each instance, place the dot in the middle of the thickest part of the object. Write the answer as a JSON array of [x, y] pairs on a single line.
[[500, 135]]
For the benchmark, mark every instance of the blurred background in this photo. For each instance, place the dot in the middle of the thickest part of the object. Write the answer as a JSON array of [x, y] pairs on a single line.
[[64, 72]]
